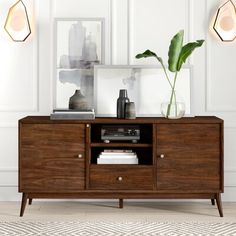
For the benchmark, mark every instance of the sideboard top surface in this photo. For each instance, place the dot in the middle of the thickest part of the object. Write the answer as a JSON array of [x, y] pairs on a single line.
[[157, 120]]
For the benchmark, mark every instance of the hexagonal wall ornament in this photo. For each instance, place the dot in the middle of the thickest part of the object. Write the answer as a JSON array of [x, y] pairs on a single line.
[[17, 23], [225, 22]]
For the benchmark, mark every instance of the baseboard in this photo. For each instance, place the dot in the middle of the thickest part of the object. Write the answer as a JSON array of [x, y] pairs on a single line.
[[8, 177], [9, 193], [230, 177]]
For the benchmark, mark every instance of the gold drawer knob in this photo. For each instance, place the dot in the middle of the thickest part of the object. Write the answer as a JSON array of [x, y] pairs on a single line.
[[162, 156], [80, 156], [119, 178]]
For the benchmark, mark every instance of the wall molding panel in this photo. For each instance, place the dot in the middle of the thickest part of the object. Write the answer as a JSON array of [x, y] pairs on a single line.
[[211, 8], [190, 21], [119, 32], [17, 107], [186, 25]]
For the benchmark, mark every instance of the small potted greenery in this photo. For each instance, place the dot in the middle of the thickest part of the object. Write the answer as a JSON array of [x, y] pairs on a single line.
[[177, 57]]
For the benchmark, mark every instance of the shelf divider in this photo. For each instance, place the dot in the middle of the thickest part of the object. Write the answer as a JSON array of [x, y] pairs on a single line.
[[121, 145]]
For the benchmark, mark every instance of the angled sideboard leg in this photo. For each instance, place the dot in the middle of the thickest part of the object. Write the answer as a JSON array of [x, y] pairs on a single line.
[[219, 204], [30, 201], [213, 202], [23, 204], [121, 203]]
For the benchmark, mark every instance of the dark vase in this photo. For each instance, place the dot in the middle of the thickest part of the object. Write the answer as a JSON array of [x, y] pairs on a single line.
[[78, 101], [130, 110], [121, 101]]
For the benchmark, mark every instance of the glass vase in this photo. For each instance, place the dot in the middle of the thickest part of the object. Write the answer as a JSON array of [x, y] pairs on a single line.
[[173, 106]]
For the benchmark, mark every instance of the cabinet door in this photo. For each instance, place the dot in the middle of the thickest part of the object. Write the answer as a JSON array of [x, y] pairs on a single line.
[[52, 157], [188, 157]]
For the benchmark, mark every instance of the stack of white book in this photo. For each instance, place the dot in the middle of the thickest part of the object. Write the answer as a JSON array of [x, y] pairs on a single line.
[[68, 114], [117, 157]]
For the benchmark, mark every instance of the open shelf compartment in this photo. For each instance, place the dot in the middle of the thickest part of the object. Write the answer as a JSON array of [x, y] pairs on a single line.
[[144, 154], [145, 133]]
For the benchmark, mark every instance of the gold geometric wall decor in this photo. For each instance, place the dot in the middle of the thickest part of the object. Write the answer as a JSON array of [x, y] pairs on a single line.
[[225, 22], [17, 23]]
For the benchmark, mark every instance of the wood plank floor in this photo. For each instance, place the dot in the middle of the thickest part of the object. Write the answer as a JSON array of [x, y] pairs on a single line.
[[133, 211]]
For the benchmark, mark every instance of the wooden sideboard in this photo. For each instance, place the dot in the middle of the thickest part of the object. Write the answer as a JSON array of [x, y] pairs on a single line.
[[179, 159]]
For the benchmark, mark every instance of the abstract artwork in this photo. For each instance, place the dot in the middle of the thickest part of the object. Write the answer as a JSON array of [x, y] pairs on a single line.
[[79, 46], [146, 86]]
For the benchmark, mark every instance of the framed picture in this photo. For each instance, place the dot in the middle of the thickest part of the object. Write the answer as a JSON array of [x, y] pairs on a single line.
[[146, 86], [79, 45]]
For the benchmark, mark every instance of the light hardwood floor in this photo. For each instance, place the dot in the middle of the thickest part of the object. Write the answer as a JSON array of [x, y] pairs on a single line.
[[133, 211]]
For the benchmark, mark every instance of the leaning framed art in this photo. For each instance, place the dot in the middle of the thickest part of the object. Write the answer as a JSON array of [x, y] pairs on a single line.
[[146, 86], [78, 46]]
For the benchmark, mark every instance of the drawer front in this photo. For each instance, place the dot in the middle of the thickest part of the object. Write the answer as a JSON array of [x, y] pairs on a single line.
[[121, 178], [53, 175]]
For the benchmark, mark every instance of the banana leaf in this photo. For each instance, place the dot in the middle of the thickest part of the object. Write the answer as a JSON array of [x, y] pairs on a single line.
[[187, 51], [175, 50], [149, 53]]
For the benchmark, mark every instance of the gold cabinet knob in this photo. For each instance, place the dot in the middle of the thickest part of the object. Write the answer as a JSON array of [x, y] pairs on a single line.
[[80, 155], [162, 156], [87, 125], [119, 178]]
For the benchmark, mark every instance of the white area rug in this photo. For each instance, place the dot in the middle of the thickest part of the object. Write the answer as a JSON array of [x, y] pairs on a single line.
[[116, 228]]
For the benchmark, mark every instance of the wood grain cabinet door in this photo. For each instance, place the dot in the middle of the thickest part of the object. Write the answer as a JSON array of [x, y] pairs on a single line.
[[52, 157], [188, 157]]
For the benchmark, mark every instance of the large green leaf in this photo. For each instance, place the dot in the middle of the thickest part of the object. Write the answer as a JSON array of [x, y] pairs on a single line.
[[187, 51], [149, 53], [175, 48]]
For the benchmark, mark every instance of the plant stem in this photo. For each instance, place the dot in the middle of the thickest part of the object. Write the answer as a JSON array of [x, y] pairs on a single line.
[[167, 77], [175, 103], [172, 94]]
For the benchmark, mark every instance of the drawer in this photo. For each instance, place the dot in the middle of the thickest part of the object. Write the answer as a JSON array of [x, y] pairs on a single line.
[[119, 177]]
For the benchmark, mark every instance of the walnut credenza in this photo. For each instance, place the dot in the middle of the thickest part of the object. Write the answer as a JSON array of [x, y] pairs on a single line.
[[179, 159]]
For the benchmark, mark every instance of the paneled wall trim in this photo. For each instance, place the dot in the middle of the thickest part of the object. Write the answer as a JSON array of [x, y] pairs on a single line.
[[23, 99], [220, 69], [131, 26]]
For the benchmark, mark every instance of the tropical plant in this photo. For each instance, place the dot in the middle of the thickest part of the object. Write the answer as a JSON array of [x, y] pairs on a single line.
[[178, 55]]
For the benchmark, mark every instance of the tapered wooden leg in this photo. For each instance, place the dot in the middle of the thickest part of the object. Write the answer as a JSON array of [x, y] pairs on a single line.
[[219, 204], [120, 203], [213, 202], [30, 201], [23, 204]]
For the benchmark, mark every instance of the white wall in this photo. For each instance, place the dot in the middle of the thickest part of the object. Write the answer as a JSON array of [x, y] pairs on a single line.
[[131, 26]]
